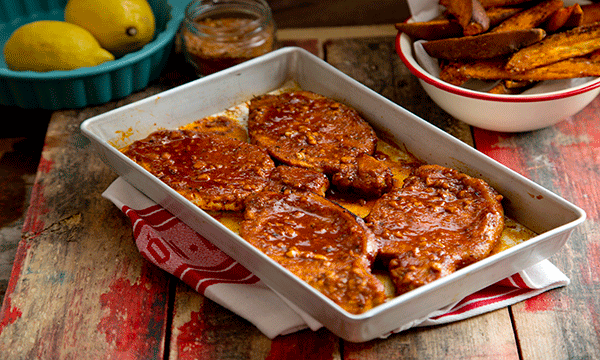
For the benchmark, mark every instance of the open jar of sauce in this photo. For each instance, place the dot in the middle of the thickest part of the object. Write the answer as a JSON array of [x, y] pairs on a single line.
[[218, 34]]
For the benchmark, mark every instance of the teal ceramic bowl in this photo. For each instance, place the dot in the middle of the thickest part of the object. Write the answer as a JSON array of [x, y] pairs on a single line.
[[82, 87]]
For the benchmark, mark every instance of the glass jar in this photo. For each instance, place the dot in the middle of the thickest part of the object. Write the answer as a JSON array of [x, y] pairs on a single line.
[[218, 34]]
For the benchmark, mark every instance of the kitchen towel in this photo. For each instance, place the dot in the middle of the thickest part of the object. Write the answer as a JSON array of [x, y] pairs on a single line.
[[170, 244]]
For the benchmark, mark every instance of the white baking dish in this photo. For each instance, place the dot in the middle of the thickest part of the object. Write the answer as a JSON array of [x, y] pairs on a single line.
[[533, 206]]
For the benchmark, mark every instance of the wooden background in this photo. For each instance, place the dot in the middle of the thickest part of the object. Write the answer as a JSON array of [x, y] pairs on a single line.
[[80, 289]]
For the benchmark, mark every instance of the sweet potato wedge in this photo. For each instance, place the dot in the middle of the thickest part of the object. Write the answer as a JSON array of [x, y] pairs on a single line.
[[576, 42], [576, 18], [496, 70], [591, 13], [431, 30], [479, 23], [504, 88], [594, 56], [517, 84], [483, 46], [565, 18], [461, 10], [445, 28], [530, 18], [469, 14], [451, 74], [499, 14]]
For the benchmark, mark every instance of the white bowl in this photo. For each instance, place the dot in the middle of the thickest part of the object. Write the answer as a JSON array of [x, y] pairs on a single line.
[[506, 113]]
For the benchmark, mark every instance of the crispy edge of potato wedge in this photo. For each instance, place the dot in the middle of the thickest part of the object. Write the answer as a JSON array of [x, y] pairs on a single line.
[[483, 46], [480, 21], [431, 30], [511, 87], [576, 18], [530, 18], [461, 10], [591, 13], [444, 28], [567, 17], [499, 14], [501, 3], [450, 73], [576, 42]]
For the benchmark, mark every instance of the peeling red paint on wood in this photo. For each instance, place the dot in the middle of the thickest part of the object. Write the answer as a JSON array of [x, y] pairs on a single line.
[[590, 270], [559, 157], [499, 147], [189, 342], [8, 313], [205, 330], [593, 309], [129, 325], [33, 223], [45, 165], [578, 140], [319, 345]]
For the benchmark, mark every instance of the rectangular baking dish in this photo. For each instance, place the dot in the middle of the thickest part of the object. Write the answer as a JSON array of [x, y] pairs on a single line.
[[550, 216]]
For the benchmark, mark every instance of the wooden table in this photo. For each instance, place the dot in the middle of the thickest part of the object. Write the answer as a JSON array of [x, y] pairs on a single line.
[[79, 288]]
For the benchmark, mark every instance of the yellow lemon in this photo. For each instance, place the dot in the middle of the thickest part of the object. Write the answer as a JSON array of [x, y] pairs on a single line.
[[120, 26], [52, 45]]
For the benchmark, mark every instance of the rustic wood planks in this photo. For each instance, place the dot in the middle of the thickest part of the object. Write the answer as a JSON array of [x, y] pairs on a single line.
[[81, 287], [564, 159]]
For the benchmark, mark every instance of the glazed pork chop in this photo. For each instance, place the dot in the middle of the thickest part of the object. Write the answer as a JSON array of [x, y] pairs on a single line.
[[212, 171], [319, 241], [309, 130], [294, 177], [439, 221], [366, 176]]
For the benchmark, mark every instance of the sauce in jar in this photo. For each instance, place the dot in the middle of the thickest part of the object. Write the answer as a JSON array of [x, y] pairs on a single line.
[[220, 34]]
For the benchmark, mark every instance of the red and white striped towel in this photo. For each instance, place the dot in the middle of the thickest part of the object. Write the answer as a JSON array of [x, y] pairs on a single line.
[[176, 248]]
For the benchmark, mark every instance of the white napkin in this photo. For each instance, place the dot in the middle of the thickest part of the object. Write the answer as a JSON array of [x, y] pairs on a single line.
[[174, 247]]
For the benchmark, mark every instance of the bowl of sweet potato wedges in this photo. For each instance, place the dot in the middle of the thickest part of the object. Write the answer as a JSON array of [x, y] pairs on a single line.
[[506, 65]]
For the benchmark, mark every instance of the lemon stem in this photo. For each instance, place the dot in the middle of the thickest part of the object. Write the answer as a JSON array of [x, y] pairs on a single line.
[[131, 31]]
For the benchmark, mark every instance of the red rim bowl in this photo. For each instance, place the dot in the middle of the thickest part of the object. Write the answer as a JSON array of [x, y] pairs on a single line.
[[404, 48]]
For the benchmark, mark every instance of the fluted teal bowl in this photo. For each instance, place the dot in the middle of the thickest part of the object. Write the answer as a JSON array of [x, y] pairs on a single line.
[[87, 86]]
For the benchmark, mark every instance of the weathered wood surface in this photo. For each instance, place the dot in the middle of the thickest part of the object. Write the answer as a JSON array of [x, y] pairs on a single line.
[[20, 148], [79, 285], [561, 324]]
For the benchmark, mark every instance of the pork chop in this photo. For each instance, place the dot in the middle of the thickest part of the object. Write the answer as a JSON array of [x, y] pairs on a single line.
[[309, 130], [212, 171], [439, 221], [318, 241]]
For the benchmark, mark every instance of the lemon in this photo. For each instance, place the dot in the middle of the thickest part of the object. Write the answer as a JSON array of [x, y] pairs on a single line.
[[120, 26], [47, 45]]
